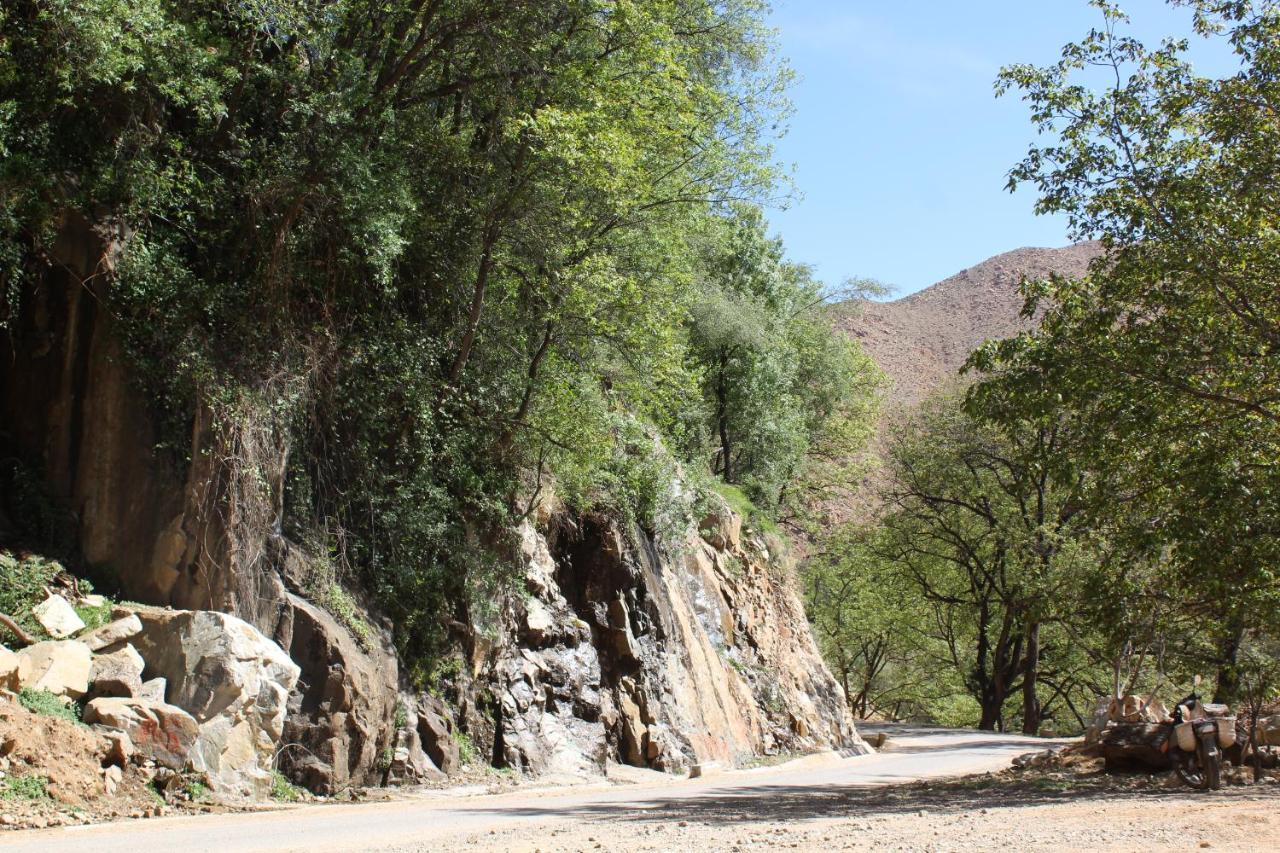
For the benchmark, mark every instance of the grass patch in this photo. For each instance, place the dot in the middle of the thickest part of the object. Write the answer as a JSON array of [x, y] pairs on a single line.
[[46, 704], [339, 602], [30, 787], [282, 790], [95, 617], [738, 501]]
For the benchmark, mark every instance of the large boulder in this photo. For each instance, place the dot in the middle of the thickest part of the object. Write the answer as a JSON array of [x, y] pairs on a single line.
[[58, 666], [159, 731], [235, 683], [339, 720]]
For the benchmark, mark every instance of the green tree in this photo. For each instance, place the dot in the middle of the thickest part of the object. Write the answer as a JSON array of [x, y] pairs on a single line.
[[1166, 353], [781, 385], [979, 522]]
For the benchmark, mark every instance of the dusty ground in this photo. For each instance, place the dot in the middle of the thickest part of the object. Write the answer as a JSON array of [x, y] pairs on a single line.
[[975, 814], [823, 802], [52, 774]]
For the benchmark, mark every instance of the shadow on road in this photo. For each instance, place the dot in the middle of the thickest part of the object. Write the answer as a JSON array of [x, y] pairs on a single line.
[[798, 804]]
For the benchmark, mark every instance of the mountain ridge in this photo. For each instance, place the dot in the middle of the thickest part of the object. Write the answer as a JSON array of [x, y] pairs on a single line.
[[921, 340]]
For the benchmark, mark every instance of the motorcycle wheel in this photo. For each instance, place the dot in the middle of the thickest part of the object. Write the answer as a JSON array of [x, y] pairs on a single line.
[[1191, 771], [1210, 758]]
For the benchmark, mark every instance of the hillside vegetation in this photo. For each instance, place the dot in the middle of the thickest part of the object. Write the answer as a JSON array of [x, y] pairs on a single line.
[[409, 265]]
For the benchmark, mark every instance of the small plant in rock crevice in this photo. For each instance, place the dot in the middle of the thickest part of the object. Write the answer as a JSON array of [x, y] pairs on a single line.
[[282, 790], [467, 752]]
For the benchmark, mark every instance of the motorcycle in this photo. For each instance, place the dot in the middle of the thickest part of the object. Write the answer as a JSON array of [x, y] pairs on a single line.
[[1196, 742]]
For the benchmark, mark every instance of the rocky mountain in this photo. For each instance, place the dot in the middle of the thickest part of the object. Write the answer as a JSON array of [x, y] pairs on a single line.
[[922, 340]]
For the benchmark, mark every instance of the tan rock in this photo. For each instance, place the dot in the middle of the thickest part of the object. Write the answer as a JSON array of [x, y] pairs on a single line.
[[234, 681], [8, 669], [436, 735], [113, 632], [120, 748], [165, 733], [111, 778], [58, 617], [1269, 730], [538, 620], [58, 666], [117, 674], [154, 690]]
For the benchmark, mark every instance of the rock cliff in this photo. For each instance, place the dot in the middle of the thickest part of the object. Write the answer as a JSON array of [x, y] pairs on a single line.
[[663, 657], [617, 647]]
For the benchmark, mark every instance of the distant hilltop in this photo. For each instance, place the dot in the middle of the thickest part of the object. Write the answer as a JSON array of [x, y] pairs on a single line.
[[922, 340]]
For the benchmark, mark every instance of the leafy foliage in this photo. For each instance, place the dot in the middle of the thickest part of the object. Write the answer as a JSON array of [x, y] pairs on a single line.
[[282, 790], [32, 786], [1166, 354], [418, 255]]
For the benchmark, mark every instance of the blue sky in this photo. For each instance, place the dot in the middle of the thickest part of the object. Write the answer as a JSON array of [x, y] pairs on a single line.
[[900, 149]]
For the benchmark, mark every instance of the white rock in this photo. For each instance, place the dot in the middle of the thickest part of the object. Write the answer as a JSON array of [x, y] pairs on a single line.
[[154, 690], [113, 632], [58, 617], [8, 669], [59, 666]]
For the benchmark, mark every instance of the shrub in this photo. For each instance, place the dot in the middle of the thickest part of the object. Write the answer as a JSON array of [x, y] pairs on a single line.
[[46, 704], [30, 787], [22, 582]]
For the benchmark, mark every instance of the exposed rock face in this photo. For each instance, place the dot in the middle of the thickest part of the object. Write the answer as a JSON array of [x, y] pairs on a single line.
[[662, 660], [235, 683], [339, 717], [435, 732], [177, 534]]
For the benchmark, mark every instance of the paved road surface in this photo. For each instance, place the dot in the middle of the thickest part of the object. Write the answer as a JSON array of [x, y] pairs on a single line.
[[433, 820]]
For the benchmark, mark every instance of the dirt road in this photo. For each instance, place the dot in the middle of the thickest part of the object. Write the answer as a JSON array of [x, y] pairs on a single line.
[[822, 802]]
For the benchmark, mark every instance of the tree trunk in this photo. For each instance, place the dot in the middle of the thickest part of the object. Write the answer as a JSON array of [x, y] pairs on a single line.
[[1227, 684], [1030, 675]]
